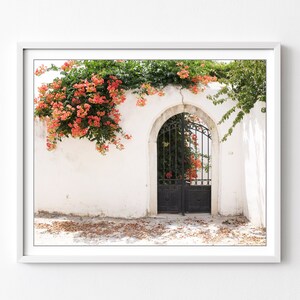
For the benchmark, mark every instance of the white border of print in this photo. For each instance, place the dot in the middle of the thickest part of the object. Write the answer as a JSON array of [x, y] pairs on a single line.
[[28, 253]]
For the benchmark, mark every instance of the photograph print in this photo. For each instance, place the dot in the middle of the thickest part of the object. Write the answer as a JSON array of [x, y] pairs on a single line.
[[143, 152]]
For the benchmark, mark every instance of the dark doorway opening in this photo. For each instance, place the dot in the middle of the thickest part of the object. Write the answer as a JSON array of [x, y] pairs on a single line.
[[184, 165]]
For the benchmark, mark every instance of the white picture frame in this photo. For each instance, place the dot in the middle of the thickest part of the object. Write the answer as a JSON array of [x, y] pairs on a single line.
[[27, 253]]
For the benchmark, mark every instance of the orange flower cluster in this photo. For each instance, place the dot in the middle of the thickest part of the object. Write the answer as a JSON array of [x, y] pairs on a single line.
[[117, 142], [87, 112], [49, 104], [94, 121], [83, 110], [195, 166], [147, 89], [203, 80], [102, 148], [141, 102], [52, 135], [40, 70], [195, 89], [60, 113], [150, 90], [43, 89], [40, 105], [97, 99], [115, 116], [97, 80], [183, 73], [77, 130], [68, 65], [88, 87], [117, 94], [206, 79], [55, 85]]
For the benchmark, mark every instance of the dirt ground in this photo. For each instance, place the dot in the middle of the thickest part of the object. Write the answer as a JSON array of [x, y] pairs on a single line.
[[192, 229]]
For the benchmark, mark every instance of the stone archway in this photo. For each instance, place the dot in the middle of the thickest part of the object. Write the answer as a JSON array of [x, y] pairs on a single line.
[[168, 113]]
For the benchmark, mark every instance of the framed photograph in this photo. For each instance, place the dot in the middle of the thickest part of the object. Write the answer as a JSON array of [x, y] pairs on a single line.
[[149, 153]]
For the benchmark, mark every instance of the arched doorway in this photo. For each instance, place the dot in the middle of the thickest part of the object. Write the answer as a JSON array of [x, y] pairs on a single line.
[[153, 163], [184, 165]]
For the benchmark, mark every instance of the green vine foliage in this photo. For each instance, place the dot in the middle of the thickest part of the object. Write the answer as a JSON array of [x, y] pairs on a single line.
[[157, 73], [244, 81], [83, 101]]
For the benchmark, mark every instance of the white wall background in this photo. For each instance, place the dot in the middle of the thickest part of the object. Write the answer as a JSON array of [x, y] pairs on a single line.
[[82, 179], [198, 20]]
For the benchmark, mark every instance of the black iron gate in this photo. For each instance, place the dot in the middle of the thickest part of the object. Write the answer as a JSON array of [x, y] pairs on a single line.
[[184, 165]]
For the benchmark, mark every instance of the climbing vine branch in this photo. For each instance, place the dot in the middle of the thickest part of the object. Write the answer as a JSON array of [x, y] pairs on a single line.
[[244, 82], [83, 101]]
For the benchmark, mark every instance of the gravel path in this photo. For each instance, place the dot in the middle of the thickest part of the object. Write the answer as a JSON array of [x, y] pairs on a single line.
[[192, 229]]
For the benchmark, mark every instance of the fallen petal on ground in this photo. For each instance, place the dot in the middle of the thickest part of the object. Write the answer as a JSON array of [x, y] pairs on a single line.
[[193, 229]]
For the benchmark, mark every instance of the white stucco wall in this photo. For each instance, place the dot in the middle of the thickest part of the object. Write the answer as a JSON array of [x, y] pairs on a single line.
[[75, 178], [254, 165]]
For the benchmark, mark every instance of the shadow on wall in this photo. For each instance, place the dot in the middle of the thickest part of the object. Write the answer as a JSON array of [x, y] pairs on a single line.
[[254, 151]]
